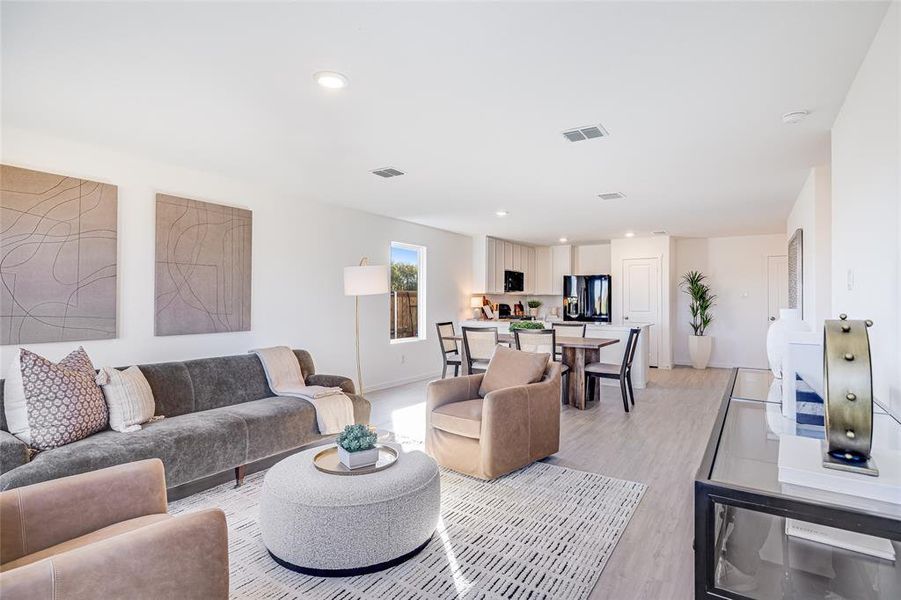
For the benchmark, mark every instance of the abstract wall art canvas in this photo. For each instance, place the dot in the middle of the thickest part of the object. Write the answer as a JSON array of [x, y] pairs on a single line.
[[203, 267], [57, 258]]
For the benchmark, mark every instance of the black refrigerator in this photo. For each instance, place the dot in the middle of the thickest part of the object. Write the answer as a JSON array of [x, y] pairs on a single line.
[[586, 298]]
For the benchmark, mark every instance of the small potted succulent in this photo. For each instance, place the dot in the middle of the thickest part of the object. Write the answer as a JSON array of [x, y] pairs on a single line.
[[534, 305], [356, 447]]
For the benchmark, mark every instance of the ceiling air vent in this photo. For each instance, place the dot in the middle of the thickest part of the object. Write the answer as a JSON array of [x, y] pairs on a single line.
[[585, 133], [661, 232], [611, 196], [387, 172]]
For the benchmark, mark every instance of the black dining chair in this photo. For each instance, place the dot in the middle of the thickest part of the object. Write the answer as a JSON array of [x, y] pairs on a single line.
[[479, 343], [567, 330], [542, 340], [450, 351], [623, 372]]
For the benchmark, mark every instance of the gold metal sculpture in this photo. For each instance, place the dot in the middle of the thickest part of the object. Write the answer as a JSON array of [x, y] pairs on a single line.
[[848, 383]]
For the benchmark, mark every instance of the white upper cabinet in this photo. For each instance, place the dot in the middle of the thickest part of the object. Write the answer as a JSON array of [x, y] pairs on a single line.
[[543, 267], [543, 272], [561, 265]]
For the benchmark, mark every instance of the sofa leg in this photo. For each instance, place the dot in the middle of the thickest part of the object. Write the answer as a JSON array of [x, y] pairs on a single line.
[[239, 475]]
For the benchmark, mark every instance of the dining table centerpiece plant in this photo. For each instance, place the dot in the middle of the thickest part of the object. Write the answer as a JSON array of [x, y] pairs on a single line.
[[356, 447], [694, 283], [526, 325], [534, 304]]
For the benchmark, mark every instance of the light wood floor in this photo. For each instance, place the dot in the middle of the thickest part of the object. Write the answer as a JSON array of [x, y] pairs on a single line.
[[659, 443]]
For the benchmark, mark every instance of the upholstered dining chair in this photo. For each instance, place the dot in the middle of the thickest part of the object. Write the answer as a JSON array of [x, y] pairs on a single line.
[[543, 341], [450, 351], [622, 372], [567, 330], [479, 343]]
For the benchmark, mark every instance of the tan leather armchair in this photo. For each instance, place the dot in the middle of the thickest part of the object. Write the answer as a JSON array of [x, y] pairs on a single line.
[[492, 436], [106, 534]]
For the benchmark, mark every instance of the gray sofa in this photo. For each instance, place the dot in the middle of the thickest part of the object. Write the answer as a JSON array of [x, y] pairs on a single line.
[[220, 416]]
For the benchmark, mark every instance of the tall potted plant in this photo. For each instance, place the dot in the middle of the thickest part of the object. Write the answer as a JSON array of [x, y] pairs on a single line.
[[694, 283]]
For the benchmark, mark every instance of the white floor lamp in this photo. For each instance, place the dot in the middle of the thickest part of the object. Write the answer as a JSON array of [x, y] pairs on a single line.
[[364, 280]]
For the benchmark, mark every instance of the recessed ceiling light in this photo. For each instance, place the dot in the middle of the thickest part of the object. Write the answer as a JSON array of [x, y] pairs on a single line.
[[330, 79], [502, 213], [630, 234], [563, 240], [794, 117]]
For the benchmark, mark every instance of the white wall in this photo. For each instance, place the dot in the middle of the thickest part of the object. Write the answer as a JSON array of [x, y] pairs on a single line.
[[299, 251], [591, 259], [737, 273], [646, 247], [866, 195], [812, 213]]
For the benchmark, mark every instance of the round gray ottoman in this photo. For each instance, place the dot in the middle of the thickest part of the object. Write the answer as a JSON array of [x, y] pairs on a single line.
[[343, 525]]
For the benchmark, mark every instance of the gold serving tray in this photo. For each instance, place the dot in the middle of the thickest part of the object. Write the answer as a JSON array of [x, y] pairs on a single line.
[[327, 461]]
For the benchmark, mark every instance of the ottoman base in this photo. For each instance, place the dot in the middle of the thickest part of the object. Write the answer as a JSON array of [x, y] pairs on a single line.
[[354, 571]]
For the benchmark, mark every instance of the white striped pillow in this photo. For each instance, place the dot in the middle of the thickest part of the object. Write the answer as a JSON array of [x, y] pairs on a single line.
[[128, 396]]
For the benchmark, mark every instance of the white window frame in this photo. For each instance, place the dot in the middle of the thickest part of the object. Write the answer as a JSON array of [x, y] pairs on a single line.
[[421, 252]]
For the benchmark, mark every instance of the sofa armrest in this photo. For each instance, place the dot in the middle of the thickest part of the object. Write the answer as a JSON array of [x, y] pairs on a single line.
[[183, 557], [13, 452], [346, 384], [35, 517], [455, 389]]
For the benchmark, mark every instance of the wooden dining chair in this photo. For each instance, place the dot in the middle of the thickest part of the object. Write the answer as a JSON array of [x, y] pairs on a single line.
[[622, 372], [450, 351], [542, 340], [568, 330], [479, 343]]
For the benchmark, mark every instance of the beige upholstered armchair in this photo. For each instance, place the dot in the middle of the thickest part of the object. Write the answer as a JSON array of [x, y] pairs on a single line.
[[106, 534], [490, 436]]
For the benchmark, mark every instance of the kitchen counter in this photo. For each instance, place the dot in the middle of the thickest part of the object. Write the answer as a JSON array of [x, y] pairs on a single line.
[[611, 355]]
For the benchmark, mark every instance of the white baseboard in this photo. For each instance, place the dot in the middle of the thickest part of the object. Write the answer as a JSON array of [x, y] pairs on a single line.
[[387, 385]]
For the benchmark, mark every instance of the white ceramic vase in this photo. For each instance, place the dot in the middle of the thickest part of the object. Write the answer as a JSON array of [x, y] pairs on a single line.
[[699, 347], [777, 337]]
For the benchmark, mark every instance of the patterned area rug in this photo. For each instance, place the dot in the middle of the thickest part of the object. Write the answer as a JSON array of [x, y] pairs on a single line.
[[542, 532]]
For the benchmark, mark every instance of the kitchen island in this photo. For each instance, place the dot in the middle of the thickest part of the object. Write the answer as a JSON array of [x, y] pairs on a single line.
[[611, 354]]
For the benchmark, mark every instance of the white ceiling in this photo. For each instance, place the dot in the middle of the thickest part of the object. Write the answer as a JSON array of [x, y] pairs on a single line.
[[469, 99]]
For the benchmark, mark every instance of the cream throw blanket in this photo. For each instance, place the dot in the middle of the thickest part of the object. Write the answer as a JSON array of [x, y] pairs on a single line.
[[334, 410]]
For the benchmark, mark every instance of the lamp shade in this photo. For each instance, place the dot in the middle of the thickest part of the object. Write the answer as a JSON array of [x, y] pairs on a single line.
[[475, 302], [366, 280]]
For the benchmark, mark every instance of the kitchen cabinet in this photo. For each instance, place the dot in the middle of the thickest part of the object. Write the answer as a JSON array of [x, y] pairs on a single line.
[[561, 265], [490, 261], [491, 257], [543, 273], [529, 262]]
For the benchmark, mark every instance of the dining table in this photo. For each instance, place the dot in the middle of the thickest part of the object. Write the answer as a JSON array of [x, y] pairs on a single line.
[[576, 352]]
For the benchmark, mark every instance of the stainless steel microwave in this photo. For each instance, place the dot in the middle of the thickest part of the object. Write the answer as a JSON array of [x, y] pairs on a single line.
[[514, 281]]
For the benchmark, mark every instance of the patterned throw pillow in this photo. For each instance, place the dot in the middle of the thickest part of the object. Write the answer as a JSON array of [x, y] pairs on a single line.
[[128, 396], [65, 404]]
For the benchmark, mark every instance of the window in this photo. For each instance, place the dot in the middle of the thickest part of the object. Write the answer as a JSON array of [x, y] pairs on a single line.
[[407, 292]]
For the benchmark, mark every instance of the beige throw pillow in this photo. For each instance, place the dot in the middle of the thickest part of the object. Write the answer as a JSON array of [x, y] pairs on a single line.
[[509, 368], [128, 396]]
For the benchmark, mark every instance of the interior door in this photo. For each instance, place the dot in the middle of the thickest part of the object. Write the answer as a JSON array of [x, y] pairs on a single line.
[[641, 298], [776, 285]]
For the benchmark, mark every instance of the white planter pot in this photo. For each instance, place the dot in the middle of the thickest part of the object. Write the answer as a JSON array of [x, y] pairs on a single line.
[[533, 312], [777, 337], [699, 347], [356, 460]]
